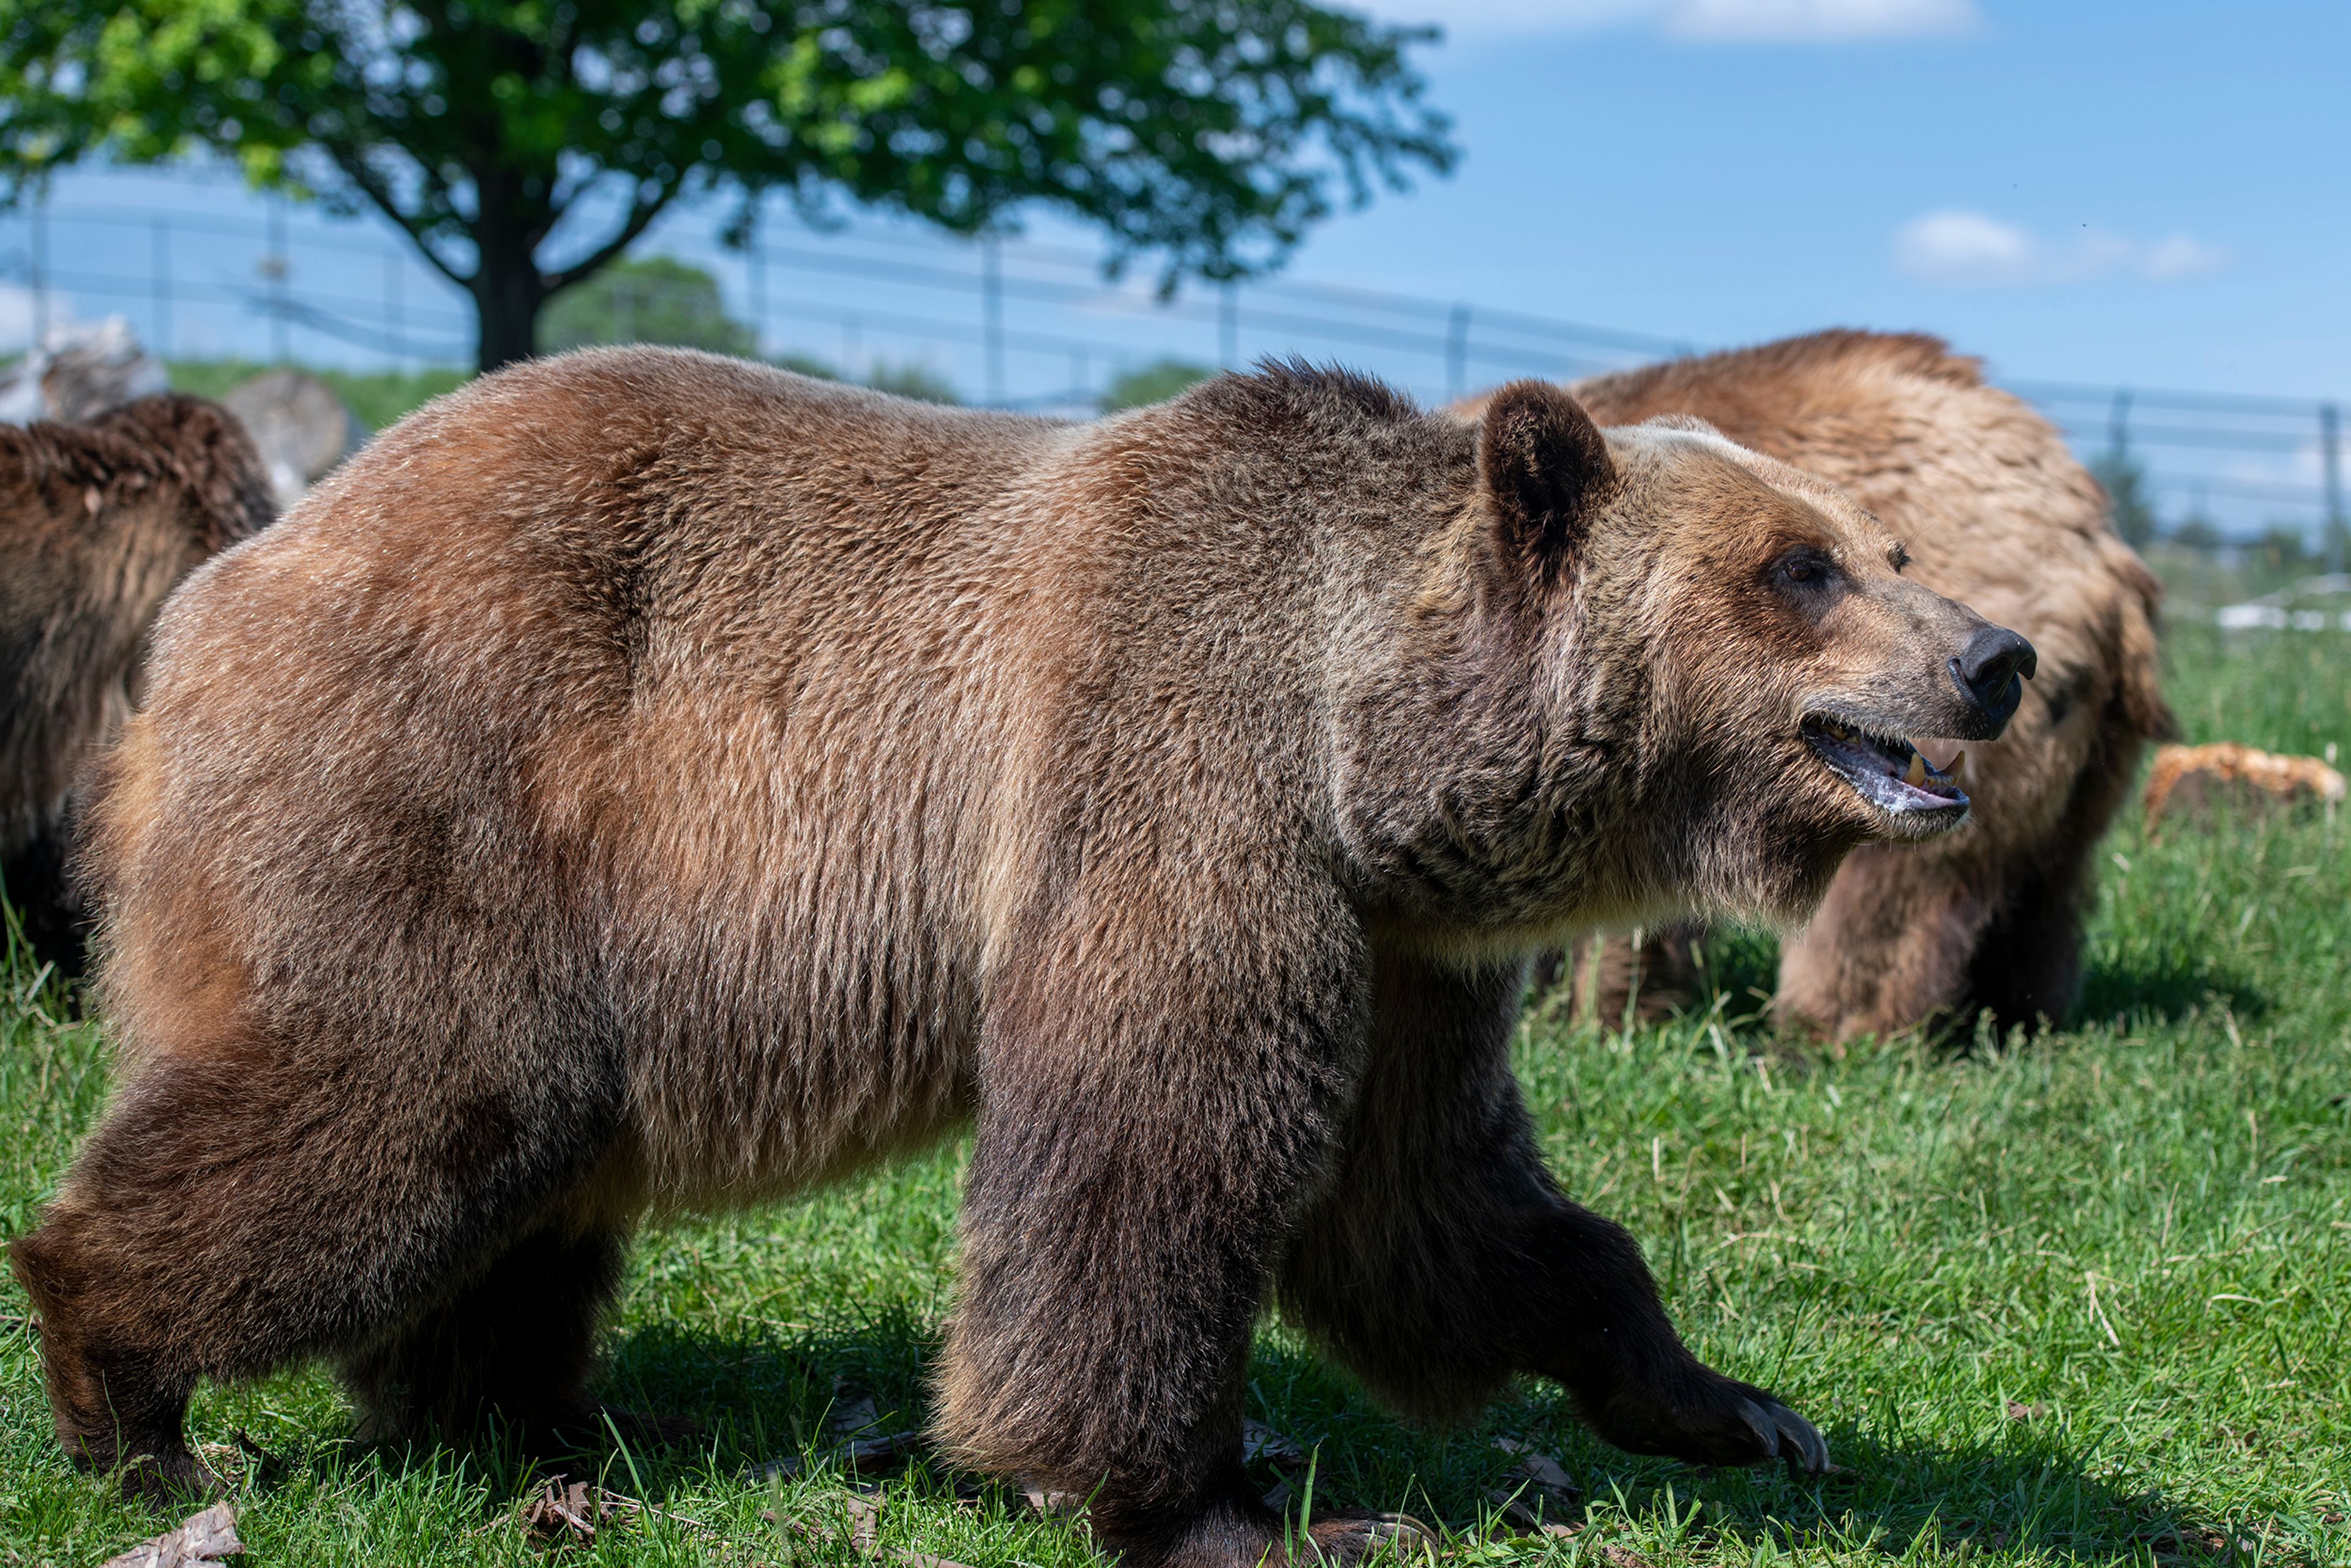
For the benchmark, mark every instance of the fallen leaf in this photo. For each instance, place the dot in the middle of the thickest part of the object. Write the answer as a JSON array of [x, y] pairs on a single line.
[[1259, 1441], [864, 1457], [1047, 1504], [2026, 1412], [564, 1511], [864, 1524], [1625, 1557], [870, 1453], [1511, 1504], [854, 1413], [1545, 1473], [864, 1521], [202, 1540], [1260, 1444]]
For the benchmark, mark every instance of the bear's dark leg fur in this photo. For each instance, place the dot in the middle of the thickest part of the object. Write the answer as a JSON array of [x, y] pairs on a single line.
[[1155, 1108], [519, 1342], [2029, 964], [235, 1213], [49, 909], [1441, 1259]]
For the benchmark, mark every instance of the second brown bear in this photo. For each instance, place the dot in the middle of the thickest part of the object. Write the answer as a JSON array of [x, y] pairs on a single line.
[[1995, 511]]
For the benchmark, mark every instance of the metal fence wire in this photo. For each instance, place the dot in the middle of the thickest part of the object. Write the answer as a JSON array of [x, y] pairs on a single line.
[[1023, 324]]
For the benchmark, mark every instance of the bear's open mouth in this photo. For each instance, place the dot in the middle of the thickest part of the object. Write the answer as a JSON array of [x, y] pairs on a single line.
[[1888, 771]]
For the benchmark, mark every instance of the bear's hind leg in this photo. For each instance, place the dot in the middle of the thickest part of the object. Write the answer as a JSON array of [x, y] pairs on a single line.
[[114, 1408], [235, 1214], [516, 1343]]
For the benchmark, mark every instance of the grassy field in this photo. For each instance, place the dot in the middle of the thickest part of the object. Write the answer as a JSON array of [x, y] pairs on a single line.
[[2083, 1299]]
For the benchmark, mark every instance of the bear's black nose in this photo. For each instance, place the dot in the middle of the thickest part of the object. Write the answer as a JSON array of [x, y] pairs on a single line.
[[1988, 670]]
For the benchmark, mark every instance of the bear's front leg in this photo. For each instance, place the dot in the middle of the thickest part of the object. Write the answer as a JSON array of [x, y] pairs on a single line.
[[1155, 1107], [1440, 1258]]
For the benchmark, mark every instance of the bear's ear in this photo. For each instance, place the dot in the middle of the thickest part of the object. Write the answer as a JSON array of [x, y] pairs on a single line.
[[1544, 467]]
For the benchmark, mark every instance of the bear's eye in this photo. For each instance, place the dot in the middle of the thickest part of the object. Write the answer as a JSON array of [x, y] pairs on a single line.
[[1804, 565]]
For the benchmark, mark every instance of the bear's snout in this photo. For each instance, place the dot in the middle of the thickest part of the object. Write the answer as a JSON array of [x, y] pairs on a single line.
[[1991, 672]]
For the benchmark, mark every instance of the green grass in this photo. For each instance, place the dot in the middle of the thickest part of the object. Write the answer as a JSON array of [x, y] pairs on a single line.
[[379, 397], [2080, 1299]]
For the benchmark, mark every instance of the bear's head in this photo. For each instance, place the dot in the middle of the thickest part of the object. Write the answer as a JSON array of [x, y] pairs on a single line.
[[1718, 664]]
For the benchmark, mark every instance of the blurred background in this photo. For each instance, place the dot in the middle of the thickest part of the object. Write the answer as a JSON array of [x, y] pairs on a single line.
[[2137, 213]]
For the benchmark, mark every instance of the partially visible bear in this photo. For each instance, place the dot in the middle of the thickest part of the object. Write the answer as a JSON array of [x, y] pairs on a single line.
[[1996, 512], [98, 521], [646, 781]]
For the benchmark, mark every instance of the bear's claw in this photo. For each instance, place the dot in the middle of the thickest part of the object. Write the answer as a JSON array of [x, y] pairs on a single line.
[[1785, 1435]]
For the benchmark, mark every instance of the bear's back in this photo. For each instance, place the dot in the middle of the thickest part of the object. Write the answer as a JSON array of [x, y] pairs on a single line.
[[655, 661]]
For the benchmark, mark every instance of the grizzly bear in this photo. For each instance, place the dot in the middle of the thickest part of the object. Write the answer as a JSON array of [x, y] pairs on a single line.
[[1996, 512], [98, 521], [645, 782]]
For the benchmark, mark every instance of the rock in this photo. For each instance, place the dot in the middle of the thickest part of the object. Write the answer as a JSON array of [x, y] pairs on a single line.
[[303, 428]]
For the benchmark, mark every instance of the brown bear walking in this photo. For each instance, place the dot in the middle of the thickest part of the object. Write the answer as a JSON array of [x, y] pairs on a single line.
[[646, 781], [97, 522], [1997, 513]]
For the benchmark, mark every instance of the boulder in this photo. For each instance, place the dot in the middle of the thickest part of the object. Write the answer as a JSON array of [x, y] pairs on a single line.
[[302, 426]]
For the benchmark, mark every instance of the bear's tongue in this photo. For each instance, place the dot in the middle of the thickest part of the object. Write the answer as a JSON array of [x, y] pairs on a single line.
[[1893, 774]]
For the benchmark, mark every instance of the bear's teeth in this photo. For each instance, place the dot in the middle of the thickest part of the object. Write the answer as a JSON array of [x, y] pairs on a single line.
[[1958, 757], [1917, 774]]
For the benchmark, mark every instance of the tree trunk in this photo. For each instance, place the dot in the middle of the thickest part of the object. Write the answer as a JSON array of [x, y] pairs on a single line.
[[508, 288], [506, 299]]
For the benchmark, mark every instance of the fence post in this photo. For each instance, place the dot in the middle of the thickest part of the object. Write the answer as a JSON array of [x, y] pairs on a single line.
[[2330, 456], [41, 267], [758, 289], [161, 276], [991, 283], [1457, 354], [279, 268], [395, 319]]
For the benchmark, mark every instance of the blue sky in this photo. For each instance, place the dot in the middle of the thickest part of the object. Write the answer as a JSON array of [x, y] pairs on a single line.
[[2154, 193], [2151, 192]]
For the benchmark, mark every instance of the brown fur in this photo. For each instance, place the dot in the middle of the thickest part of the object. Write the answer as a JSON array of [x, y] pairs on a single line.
[[1996, 513], [98, 521], [646, 781]]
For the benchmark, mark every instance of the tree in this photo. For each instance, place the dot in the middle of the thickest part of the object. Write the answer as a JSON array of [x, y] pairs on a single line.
[[911, 378], [1155, 383], [658, 299], [523, 144], [2128, 502]]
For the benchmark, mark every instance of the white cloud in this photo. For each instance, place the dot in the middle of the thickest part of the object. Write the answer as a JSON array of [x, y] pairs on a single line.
[[1962, 249], [2182, 255], [1819, 21], [1699, 21]]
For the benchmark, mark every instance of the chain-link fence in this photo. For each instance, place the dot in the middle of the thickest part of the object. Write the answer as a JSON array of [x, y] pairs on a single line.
[[1035, 326]]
